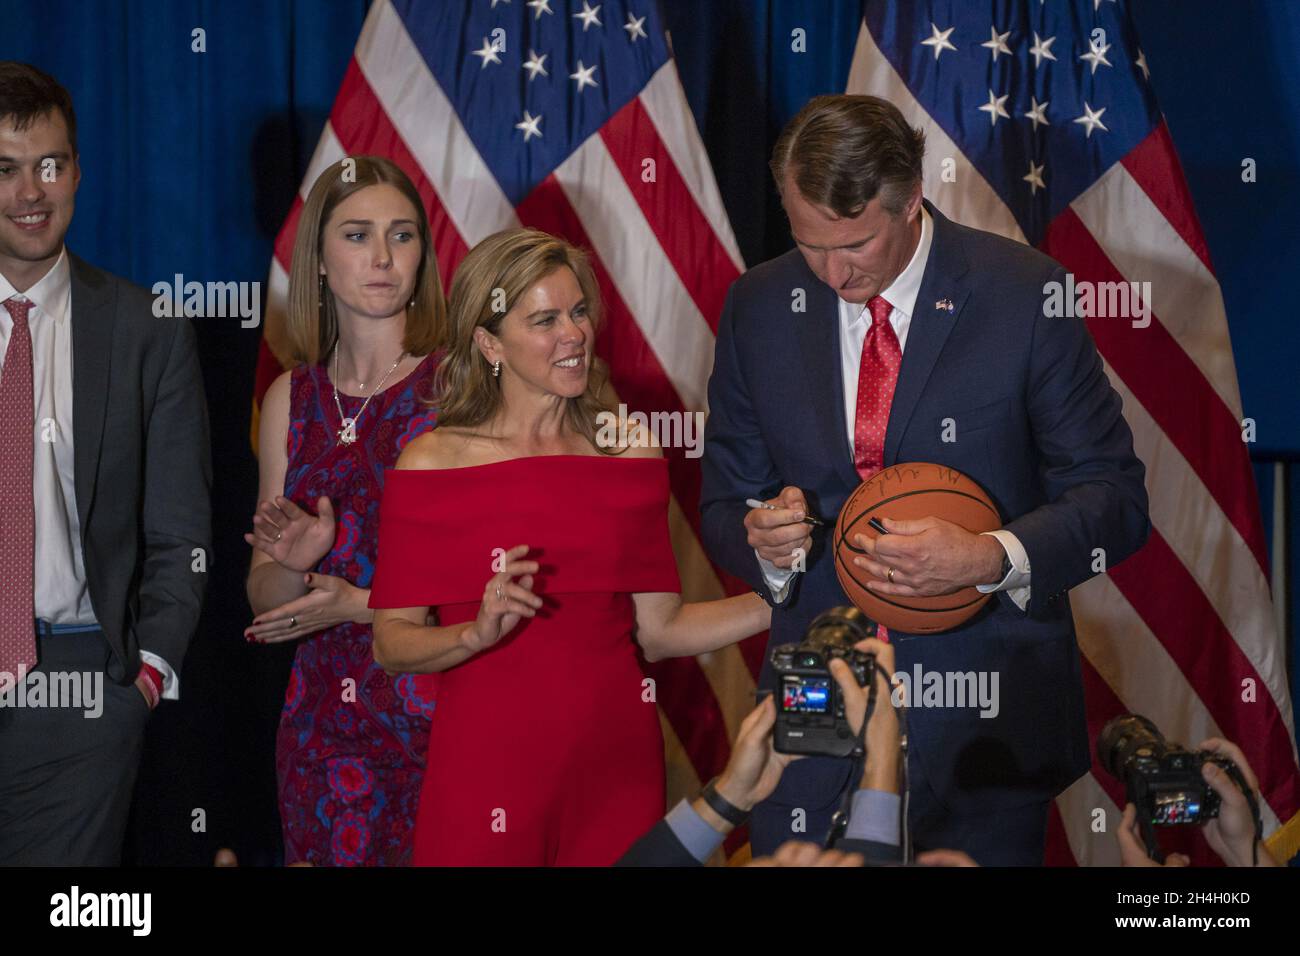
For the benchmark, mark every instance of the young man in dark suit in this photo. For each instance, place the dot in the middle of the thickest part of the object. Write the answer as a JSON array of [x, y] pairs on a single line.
[[891, 334], [104, 503]]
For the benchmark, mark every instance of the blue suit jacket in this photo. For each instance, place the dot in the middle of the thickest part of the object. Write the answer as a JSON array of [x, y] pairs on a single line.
[[1037, 425]]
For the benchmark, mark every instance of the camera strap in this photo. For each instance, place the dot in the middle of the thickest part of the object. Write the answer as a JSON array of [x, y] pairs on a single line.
[[840, 819], [904, 831], [1236, 776]]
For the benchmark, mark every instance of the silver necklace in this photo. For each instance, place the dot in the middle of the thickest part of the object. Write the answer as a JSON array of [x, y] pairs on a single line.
[[348, 433]]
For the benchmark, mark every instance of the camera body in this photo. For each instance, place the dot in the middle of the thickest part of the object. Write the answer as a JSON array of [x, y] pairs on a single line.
[[810, 717], [1162, 779]]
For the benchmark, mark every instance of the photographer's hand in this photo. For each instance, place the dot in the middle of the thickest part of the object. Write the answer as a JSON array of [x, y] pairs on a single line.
[[754, 769], [883, 754], [800, 853], [1232, 833], [1132, 851]]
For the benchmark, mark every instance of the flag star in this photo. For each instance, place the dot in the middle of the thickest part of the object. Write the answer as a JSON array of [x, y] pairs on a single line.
[[488, 53], [1141, 62], [495, 2], [939, 40], [588, 15], [634, 27], [1038, 112], [1042, 50], [1035, 177], [583, 76], [1092, 119], [530, 124], [997, 42], [536, 65], [1096, 55], [995, 108], [539, 7]]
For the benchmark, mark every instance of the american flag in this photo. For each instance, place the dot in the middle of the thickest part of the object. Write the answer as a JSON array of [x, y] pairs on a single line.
[[1042, 125], [569, 118]]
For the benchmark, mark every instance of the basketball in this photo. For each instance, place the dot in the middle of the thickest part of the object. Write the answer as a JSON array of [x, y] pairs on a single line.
[[906, 492]]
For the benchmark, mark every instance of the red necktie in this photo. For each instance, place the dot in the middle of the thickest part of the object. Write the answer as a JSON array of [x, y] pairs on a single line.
[[17, 517], [877, 376]]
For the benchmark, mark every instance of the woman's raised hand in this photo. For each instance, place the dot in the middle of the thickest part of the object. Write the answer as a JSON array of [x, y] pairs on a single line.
[[505, 601], [295, 538]]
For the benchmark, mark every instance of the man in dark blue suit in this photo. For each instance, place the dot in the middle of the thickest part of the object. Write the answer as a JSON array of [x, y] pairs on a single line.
[[891, 334]]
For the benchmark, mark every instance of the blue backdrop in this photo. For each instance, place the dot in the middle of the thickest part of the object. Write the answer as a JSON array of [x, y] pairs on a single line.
[[190, 161]]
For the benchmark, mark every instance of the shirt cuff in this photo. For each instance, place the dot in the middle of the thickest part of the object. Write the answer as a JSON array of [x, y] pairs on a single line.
[[694, 832], [1016, 583], [778, 579], [874, 816], [171, 689]]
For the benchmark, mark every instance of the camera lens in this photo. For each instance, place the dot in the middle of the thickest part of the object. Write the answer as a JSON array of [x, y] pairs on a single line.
[[1124, 738]]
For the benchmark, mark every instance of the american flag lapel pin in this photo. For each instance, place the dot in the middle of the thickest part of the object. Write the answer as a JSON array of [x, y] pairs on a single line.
[[944, 305]]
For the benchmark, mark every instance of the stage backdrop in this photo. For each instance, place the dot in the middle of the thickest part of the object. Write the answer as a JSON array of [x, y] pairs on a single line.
[[194, 145]]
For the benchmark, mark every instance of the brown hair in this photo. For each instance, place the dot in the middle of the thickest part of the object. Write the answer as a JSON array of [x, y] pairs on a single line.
[[506, 265], [842, 150], [312, 324], [27, 94]]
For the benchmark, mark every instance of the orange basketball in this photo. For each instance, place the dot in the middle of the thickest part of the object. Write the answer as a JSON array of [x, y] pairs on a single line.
[[907, 492]]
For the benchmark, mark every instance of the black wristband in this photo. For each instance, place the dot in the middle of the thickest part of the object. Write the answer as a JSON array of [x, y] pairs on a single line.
[[722, 806]]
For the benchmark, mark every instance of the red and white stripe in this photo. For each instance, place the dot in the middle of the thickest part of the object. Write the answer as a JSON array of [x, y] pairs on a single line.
[[1183, 629], [664, 254]]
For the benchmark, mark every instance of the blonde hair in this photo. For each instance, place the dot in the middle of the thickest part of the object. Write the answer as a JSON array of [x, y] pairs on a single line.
[[312, 325], [508, 264]]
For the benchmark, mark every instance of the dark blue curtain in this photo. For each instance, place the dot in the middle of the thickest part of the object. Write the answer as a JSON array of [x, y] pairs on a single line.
[[190, 161]]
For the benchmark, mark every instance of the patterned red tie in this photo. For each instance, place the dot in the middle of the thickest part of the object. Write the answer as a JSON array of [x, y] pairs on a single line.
[[17, 517], [877, 376]]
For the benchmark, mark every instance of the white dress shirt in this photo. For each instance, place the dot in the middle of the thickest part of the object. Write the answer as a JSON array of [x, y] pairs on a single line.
[[855, 322], [62, 596]]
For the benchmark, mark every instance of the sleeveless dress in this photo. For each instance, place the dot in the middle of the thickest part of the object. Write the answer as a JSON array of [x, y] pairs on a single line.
[[351, 744], [545, 748]]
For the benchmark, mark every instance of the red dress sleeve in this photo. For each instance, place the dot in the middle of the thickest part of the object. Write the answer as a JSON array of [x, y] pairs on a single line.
[[593, 523], [408, 540]]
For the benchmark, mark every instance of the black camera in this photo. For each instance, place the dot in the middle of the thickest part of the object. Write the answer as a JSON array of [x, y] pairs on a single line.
[[1162, 779], [809, 706]]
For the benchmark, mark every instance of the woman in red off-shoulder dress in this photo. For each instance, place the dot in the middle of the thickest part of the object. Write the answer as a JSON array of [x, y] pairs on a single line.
[[546, 558]]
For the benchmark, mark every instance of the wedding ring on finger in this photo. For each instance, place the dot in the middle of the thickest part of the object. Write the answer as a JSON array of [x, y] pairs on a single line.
[[278, 535], [891, 575], [499, 595], [293, 622]]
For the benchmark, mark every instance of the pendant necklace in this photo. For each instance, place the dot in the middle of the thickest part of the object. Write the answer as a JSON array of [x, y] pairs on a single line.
[[348, 433]]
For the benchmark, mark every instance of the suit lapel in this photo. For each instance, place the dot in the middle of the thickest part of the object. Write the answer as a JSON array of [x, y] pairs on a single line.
[[92, 336], [943, 281], [818, 332]]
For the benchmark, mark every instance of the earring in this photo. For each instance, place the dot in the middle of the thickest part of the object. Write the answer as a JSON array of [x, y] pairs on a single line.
[[496, 369]]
